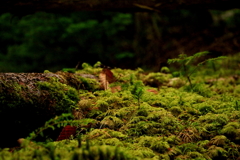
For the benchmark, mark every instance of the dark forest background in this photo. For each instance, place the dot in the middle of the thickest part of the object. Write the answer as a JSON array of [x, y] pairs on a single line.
[[45, 41]]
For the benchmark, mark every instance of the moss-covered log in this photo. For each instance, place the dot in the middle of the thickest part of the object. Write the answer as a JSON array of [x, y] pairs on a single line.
[[29, 6], [28, 100]]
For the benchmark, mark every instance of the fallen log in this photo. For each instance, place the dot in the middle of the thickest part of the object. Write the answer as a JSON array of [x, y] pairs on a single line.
[[28, 100]]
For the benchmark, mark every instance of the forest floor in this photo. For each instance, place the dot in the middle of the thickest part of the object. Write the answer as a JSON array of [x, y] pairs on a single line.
[[131, 114]]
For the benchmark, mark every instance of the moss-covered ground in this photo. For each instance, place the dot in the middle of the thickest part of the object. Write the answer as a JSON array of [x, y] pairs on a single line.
[[142, 115]]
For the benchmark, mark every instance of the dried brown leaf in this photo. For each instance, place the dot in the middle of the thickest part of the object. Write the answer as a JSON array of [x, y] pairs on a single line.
[[103, 81], [106, 77], [109, 75], [66, 133], [153, 91]]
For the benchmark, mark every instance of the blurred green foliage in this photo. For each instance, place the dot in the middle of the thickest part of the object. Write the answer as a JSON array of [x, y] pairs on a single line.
[[40, 41], [49, 41]]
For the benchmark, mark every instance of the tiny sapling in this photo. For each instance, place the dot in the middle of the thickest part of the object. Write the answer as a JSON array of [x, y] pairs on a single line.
[[186, 61]]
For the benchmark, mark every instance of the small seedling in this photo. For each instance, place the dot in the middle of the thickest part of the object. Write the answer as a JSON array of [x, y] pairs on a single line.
[[186, 61], [137, 91]]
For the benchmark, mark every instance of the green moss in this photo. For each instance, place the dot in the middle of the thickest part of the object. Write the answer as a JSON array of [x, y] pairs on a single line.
[[176, 110], [215, 152], [188, 148], [156, 79], [200, 89], [221, 119], [235, 125], [111, 122], [154, 143], [102, 105], [143, 153], [146, 118], [165, 70], [204, 109], [32, 106], [113, 142], [219, 140], [185, 116], [195, 155], [60, 95], [84, 104], [212, 123], [230, 131]]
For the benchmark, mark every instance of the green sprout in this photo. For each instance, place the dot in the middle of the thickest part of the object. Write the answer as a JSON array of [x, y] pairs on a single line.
[[185, 62], [137, 91]]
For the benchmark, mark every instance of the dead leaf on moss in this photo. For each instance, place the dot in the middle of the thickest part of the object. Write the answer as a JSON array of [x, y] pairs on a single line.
[[106, 77], [109, 75], [103, 81], [153, 91], [67, 132]]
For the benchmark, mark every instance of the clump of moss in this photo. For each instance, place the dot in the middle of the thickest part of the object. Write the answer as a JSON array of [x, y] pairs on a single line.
[[70, 149], [60, 95], [165, 70], [231, 130], [156, 79], [212, 123], [80, 81], [176, 82], [155, 143], [176, 110], [88, 69], [215, 152], [190, 150], [200, 89], [219, 140]]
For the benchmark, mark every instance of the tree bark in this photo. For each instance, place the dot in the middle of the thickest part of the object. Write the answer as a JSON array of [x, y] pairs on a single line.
[[61, 6]]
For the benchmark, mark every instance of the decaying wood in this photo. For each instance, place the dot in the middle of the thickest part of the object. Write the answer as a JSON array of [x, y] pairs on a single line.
[[26, 79], [30, 79]]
